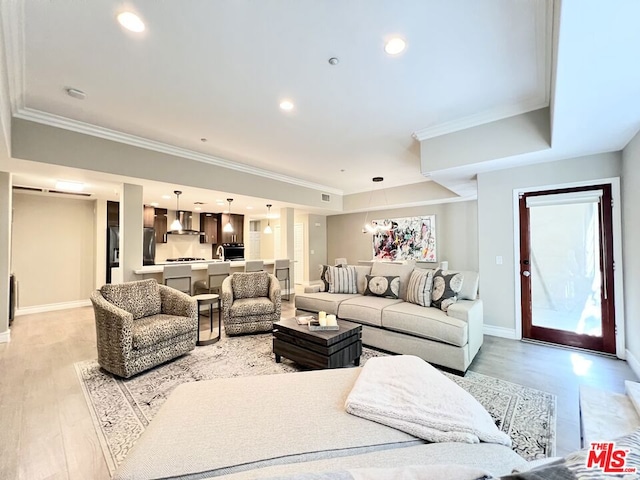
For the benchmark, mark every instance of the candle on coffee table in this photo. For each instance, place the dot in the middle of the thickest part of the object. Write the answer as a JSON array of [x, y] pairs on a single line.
[[322, 319], [332, 321]]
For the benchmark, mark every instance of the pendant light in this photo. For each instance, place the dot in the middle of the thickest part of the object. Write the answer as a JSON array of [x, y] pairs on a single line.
[[267, 229], [176, 225], [228, 228], [368, 227]]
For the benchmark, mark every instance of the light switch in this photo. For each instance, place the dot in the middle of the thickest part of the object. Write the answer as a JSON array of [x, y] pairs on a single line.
[[313, 252], [499, 260]]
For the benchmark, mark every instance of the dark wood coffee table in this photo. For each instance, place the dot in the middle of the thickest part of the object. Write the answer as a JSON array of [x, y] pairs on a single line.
[[319, 349]]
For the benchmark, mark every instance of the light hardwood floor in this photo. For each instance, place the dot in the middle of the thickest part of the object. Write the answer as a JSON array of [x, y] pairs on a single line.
[[46, 430]]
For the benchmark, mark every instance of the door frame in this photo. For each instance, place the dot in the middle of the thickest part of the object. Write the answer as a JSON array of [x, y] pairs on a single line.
[[618, 272]]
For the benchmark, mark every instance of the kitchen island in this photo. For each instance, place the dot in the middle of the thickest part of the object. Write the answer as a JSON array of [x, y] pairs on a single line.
[[150, 271]]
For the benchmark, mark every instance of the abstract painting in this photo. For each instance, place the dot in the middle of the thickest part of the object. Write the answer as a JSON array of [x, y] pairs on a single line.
[[410, 238]]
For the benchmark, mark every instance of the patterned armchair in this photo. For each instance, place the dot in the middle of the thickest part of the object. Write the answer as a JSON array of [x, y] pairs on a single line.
[[250, 302], [142, 324]]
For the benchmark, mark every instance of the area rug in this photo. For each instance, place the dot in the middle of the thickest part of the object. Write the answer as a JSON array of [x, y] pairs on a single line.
[[122, 409]]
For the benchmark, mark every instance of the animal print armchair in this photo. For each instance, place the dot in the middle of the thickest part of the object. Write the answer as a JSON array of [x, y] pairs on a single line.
[[250, 302], [142, 324]]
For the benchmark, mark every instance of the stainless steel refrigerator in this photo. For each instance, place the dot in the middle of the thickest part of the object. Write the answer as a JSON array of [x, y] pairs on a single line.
[[113, 251]]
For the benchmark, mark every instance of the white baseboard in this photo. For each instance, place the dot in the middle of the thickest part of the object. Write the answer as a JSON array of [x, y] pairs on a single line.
[[500, 332], [52, 307], [5, 337], [633, 363]]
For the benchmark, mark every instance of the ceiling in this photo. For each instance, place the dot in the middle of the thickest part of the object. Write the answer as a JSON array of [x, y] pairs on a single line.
[[217, 70]]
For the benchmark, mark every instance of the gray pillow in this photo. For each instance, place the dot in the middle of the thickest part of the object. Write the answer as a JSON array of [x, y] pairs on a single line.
[[382, 286], [446, 286]]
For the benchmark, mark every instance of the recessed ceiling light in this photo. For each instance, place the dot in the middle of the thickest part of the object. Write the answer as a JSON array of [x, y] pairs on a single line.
[[286, 105], [197, 209], [395, 46], [166, 197], [69, 186], [131, 21], [154, 204], [203, 140], [249, 208]]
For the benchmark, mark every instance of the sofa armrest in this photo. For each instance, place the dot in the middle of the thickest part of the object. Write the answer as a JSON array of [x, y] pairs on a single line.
[[226, 296], [312, 289], [113, 325], [470, 311], [174, 302], [274, 293]]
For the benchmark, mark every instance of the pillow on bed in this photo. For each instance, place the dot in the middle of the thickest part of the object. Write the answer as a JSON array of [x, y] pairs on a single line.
[[342, 279], [382, 286]]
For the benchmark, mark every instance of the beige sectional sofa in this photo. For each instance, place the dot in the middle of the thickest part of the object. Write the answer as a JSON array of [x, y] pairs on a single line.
[[450, 339]]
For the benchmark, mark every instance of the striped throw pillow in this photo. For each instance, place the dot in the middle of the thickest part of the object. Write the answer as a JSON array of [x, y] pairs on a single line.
[[419, 287], [342, 279]]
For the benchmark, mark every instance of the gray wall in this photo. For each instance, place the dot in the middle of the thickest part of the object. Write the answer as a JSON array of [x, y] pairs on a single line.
[[631, 240], [53, 249], [456, 230], [496, 223]]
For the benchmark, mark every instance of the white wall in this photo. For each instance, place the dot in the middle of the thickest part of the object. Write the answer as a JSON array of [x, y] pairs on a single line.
[[5, 253], [496, 225], [631, 241], [53, 249], [456, 230]]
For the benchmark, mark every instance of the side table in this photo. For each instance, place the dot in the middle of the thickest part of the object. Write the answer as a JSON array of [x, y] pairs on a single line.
[[208, 299]]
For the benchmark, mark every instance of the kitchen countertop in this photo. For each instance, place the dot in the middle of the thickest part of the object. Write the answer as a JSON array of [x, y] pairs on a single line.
[[195, 265]]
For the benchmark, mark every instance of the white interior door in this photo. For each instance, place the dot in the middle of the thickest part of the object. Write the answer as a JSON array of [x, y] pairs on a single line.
[[298, 252]]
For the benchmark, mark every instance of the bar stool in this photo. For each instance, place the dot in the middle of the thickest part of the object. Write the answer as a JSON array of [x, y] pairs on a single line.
[[281, 271], [253, 266], [216, 273], [178, 277]]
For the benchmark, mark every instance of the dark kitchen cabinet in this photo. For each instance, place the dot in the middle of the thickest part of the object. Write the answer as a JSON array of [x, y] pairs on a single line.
[[148, 216], [209, 225], [160, 224], [237, 222], [113, 214]]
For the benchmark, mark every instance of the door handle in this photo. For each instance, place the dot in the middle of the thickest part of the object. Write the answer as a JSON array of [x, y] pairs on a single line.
[[526, 273]]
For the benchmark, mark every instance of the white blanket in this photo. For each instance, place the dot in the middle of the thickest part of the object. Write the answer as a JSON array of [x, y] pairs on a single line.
[[406, 393]]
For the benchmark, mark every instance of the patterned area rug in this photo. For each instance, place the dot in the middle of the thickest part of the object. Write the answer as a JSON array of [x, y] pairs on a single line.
[[122, 409]]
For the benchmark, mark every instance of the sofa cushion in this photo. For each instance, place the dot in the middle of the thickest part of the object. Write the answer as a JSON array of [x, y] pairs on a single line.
[[446, 286], [246, 307], [394, 270], [342, 280], [426, 322], [250, 285], [380, 286], [361, 277], [419, 288], [152, 330], [365, 309], [140, 299], [322, 301]]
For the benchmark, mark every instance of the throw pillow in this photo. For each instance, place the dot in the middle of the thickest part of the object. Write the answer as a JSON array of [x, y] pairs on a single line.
[[419, 289], [446, 286], [382, 286], [342, 279], [324, 277]]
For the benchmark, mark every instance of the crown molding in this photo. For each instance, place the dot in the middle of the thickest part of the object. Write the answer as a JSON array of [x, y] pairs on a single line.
[[141, 142], [544, 45], [481, 118]]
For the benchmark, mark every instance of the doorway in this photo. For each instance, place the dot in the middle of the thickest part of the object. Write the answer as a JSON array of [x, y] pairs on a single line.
[[566, 267]]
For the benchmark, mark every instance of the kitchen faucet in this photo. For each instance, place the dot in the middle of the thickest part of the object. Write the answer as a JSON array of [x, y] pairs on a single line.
[[220, 252]]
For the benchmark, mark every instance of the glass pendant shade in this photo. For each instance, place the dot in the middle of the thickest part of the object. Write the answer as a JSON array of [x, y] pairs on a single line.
[[268, 229], [176, 225], [228, 228]]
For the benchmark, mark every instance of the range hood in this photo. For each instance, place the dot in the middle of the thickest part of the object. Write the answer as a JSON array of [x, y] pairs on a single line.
[[185, 219]]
